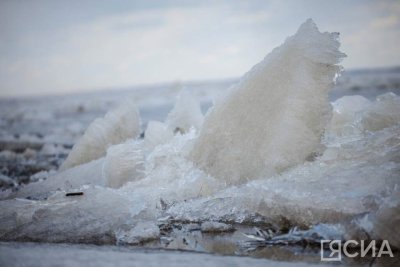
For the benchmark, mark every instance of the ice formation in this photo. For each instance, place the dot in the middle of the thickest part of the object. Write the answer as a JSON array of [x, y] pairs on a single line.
[[345, 111], [354, 115], [185, 114], [352, 185], [117, 126], [275, 116], [123, 163], [73, 178], [383, 113], [157, 133]]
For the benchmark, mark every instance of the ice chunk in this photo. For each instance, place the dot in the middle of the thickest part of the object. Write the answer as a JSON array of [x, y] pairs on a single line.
[[176, 177], [157, 133], [274, 117], [123, 163], [331, 189], [345, 115], [185, 114], [354, 116], [85, 174], [384, 113], [117, 126], [92, 217], [386, 220], [142, 232], [352, 181], [350, 104]]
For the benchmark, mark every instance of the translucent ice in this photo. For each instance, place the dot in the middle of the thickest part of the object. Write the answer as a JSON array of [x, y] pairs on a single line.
[[353, 183], [344, 119], [89, 218], [351, 179], [275, 116], [117, 126], [85, 174], [384, 113], [157, 133], [355, 115], [142, 232], [185, 114], [123, 162]]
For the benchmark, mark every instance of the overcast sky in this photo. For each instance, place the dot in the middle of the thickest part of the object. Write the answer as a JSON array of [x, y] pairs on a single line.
[[63, 46]]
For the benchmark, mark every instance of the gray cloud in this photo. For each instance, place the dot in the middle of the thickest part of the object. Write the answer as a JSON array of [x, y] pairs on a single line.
[[57, 47]]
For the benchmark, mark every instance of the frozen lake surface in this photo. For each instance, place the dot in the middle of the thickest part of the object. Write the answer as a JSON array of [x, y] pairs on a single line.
[[31, 254]]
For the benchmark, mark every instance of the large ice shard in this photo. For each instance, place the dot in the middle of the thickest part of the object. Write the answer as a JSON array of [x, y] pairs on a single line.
[[117, 126], [274, 117]]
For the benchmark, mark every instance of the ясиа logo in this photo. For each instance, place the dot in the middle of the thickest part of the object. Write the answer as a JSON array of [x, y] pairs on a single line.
[[331, 250]]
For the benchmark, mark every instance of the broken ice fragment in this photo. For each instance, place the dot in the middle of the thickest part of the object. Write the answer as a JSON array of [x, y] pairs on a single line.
[[185, 114], [123, 163], [117, 126], [274, 117]]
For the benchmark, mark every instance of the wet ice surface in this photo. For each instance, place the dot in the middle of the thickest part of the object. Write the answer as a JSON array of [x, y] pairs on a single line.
[[151, 192], [30, 254]]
